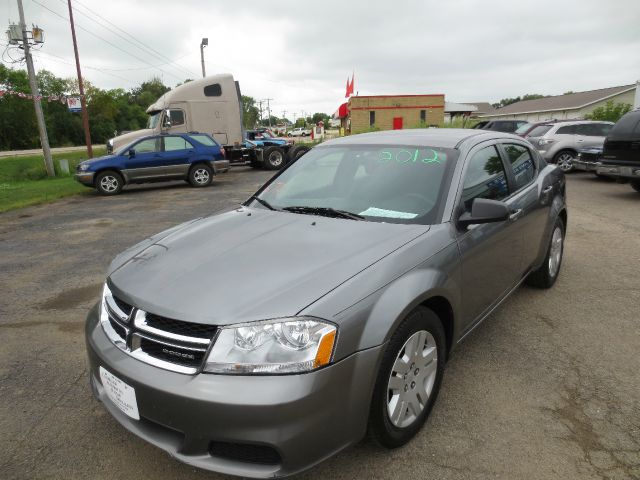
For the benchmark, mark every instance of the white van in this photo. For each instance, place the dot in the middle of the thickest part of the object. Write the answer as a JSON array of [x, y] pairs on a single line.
[[210, 105]]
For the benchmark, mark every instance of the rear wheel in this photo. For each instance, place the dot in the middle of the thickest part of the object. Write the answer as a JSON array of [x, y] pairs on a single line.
[[547, 274], [273, 158], [564, 160], [200, 175], [635, 184], [109, 183], [296, 151], [409, 379]]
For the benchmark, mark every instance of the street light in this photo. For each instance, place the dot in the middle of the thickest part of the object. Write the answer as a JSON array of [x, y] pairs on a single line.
[[203, 43]]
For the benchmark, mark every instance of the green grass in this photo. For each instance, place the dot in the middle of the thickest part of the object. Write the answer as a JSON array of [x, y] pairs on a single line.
[[24, 181]]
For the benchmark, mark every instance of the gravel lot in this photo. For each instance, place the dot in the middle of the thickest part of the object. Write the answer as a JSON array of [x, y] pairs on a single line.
[[548, 387]]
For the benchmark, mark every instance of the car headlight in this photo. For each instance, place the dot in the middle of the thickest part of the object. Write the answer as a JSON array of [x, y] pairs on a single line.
[[289, 345], [83, 167], [545, 141]]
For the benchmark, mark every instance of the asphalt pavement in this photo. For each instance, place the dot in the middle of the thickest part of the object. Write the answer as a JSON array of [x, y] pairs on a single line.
[[547, 388]]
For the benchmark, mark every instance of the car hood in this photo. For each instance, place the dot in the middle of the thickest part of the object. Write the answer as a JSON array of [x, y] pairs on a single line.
[[251, 264]]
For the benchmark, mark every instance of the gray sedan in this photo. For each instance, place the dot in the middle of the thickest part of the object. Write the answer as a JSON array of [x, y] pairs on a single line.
[[260, 341]]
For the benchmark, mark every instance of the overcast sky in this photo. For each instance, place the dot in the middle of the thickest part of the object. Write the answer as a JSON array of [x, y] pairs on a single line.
[[300, 52]]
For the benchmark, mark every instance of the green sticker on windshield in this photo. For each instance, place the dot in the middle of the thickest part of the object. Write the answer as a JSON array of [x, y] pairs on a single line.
[[404, 156]]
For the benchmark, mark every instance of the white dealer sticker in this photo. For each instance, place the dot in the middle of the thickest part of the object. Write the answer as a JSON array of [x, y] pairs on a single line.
[[121, 394]]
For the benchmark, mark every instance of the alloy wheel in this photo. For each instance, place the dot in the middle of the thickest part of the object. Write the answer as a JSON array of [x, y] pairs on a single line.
[[412, 378], [555, 252], [201, 176], [109, 183], [565, 162], [276, 158]]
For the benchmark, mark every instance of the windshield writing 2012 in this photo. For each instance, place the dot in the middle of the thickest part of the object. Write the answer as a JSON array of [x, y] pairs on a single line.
[[410, 156]]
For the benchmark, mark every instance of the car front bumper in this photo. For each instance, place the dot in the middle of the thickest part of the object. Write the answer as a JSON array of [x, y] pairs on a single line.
[[304, 418], [85, 178], [628, 172], [585, 165]]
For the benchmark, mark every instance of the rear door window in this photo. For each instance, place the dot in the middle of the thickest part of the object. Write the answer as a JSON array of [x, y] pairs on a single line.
[[522, 163], [485, 177], [205, 140], [567, 130], [172, 144]]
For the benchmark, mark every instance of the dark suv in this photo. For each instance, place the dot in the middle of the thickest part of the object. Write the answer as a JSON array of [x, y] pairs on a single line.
[[621, 150], [507, 126]]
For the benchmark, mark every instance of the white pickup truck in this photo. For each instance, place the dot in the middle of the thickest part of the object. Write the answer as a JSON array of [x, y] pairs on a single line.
[[299, 132]]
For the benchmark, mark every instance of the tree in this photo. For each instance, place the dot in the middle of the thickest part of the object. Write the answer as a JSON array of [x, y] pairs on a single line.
[[508, 101], [611, 112], [149, 92], [250, 112]]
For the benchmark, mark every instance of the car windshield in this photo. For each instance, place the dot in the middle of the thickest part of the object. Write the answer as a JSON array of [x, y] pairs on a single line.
[[539, 131], [523, 128], [154, 118], [395, 184]]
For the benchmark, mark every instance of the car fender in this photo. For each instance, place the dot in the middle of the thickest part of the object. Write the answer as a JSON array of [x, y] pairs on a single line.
[[371, 321], [557, 207]]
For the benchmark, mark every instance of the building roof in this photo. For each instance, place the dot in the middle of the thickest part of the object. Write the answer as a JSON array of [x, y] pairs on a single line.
[[484, 108], [451, 107], [571, 101]]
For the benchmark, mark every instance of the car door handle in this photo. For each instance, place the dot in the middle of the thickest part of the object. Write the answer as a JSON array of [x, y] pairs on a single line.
[[580, 140], [547, 189], [515, 214]]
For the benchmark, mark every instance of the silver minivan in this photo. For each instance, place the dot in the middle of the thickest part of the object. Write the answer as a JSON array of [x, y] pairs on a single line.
[[559, 142]]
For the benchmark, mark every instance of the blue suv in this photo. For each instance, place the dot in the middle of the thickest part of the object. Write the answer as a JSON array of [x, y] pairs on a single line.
[[195, 157]]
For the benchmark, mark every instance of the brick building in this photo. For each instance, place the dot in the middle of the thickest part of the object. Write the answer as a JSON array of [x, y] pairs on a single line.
[[387, 112]]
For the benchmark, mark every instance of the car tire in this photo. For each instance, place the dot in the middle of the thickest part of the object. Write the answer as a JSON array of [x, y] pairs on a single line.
[[200, 175], [547, 274], [407, 387], [635, 184], [274, 158], [109, 183], [564, 159], [296, 151]]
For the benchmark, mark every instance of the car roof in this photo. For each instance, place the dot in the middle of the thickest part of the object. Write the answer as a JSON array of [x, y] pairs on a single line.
[[433, 137]]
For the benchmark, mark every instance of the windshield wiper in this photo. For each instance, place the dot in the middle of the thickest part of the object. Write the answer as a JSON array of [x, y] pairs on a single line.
[[325, 212], [263, 202]]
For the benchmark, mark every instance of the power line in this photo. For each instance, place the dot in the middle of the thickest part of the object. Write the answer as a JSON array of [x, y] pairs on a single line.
[[151, 49], [105, 40], [63, 60], [145, 49]]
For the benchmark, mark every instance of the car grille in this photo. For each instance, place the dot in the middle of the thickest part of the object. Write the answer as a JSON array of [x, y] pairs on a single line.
[[164, 342]]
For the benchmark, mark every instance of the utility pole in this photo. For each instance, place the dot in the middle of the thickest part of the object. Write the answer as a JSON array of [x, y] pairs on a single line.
[[268, 109], [260, 109], [83, 100], [44, 139], [203, 43]]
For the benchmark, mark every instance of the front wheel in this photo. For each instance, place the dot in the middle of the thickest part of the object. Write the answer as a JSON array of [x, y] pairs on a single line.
[[109, 183], [409, 379], [635, 184], [564, 160], [200, 175], [547, 274]]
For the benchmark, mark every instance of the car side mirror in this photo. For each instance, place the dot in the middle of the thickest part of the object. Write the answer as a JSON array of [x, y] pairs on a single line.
[[132, 153], [484, 210], [166, 119]]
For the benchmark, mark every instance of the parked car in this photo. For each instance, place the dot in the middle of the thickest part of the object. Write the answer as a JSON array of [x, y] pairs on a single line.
[[531, 129], [361, 266], [507, 126], [559, 142], [621, 151], [195, 157], [299, 132]]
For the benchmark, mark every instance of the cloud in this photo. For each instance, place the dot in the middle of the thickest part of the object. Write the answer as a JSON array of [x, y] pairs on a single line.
[[300, 53]]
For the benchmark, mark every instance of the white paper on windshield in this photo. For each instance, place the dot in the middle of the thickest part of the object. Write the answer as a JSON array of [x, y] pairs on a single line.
[[380, 212]]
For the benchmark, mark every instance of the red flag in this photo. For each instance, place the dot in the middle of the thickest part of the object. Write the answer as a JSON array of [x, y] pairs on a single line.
[[350, 89], [346, 95]]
